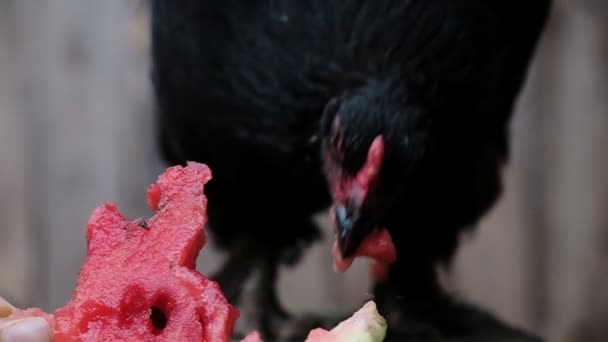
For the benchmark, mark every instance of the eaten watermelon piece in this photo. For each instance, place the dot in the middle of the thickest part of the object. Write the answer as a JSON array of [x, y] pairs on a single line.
[[253, 337], [138, 282], [365, 325]]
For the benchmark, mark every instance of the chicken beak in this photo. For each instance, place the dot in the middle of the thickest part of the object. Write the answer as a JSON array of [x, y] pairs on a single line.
[[351, 230]]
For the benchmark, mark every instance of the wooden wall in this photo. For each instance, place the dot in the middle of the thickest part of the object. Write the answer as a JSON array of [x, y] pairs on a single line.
[[75, 131]]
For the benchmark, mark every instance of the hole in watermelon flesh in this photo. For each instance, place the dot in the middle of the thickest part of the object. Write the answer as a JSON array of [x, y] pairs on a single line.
[[158, 318]]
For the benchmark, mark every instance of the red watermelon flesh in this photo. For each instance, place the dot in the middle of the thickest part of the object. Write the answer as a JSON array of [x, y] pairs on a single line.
[[138, 282]]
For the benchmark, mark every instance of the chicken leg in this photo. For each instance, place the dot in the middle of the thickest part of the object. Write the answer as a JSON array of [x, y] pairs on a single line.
[[263, 311], [271, 316], [236, 270]]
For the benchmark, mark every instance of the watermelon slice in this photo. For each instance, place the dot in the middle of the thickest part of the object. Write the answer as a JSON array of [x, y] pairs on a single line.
[[365, 325], [253, 337], [138, 282]]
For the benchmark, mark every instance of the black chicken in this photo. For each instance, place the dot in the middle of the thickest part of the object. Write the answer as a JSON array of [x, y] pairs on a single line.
[[397, 111]]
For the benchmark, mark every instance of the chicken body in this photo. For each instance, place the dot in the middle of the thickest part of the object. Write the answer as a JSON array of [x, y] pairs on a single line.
[[236, 89], [275, 95]]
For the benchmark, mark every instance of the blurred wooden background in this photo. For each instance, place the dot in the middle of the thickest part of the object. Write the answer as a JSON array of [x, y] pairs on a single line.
[[75, 131]]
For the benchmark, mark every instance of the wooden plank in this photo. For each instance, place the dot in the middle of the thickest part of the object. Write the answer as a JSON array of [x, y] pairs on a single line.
[[16, 239], [578, 197], [74, 65]]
